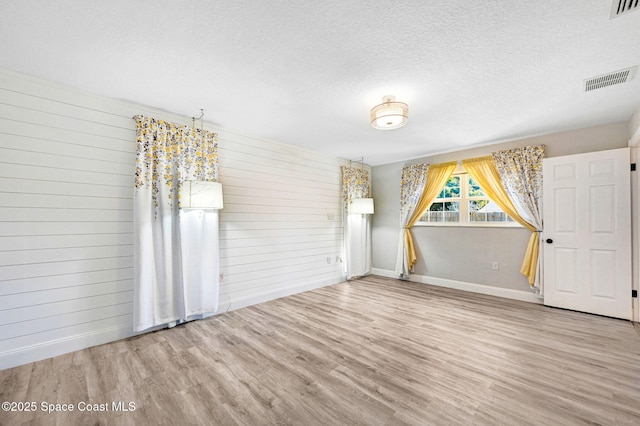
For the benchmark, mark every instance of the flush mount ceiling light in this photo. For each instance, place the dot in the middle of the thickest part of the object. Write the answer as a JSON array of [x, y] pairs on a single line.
[[389, 114]]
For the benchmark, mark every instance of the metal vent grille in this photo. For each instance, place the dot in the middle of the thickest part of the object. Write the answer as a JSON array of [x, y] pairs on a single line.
[[609, 79], [622, 7]]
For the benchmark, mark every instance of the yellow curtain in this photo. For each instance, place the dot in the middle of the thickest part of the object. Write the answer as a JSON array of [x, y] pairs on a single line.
[[484, 172], [437, 177]]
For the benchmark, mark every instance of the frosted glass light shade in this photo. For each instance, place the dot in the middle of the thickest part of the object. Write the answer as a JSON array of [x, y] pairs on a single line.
[[361, 206], [390, 114], [197, 194]]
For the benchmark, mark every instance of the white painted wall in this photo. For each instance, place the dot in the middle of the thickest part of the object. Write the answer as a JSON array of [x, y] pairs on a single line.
[[634, 128], [461, 257], [66, 173]]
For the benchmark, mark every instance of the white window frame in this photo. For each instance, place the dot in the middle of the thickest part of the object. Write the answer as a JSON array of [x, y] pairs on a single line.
[[463, 202]]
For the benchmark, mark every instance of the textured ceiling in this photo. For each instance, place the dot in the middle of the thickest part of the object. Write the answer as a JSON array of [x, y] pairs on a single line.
[[307, 73]]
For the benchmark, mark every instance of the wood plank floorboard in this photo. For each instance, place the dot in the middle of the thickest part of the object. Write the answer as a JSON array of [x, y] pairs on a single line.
[[376, 351]]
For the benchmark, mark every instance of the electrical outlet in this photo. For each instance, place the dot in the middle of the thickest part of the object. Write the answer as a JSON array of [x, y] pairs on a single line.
[[330, 216], [328, 261], [494, 266], [221, 276]]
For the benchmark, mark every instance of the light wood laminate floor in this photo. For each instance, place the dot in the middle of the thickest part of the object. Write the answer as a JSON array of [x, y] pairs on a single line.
[[374, 351]]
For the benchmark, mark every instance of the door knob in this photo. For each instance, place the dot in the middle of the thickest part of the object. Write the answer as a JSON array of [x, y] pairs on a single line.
[[549, 241]]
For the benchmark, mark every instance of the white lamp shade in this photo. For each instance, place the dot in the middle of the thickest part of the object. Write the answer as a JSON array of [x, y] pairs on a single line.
[[197, 194], [361, 206]]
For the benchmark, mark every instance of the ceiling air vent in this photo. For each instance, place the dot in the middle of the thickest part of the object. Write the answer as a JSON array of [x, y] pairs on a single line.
[[609, 79], [622, 7]]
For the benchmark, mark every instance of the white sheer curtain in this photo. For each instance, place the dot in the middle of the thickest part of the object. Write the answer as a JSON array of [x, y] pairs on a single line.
[[414, 179], [176, 255], [357, 245], [357, 227]]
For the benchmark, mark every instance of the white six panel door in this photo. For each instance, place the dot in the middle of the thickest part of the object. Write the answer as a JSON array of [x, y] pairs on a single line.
[[587, 232]]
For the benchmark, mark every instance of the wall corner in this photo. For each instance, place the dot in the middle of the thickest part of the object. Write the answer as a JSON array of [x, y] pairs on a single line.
[[634, 129]]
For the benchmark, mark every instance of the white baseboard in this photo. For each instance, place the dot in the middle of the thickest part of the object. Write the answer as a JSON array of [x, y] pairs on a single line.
[[506, 293], [53, 348], [384, 273], [254, 299], [63, 346]]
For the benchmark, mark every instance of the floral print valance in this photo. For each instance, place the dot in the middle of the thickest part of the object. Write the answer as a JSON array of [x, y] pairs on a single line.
[[355, 184], [169, 154], [521, 170]]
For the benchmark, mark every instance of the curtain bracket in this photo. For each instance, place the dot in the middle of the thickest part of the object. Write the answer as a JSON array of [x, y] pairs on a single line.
[[193, 120]]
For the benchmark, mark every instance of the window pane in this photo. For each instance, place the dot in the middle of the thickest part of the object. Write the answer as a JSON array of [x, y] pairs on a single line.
[[486, 211], [446, 211], [475, 190], [451, 188], [476, 205], [436, 207]]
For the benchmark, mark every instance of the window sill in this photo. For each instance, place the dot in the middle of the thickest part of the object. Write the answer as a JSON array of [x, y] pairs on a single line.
[[468, 225]]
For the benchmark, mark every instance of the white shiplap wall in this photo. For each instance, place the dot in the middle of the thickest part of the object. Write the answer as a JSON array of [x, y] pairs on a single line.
[[281, 225], [66, 253]]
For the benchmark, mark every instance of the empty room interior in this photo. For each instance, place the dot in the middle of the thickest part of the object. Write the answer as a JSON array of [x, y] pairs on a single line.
[[319, 213]]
